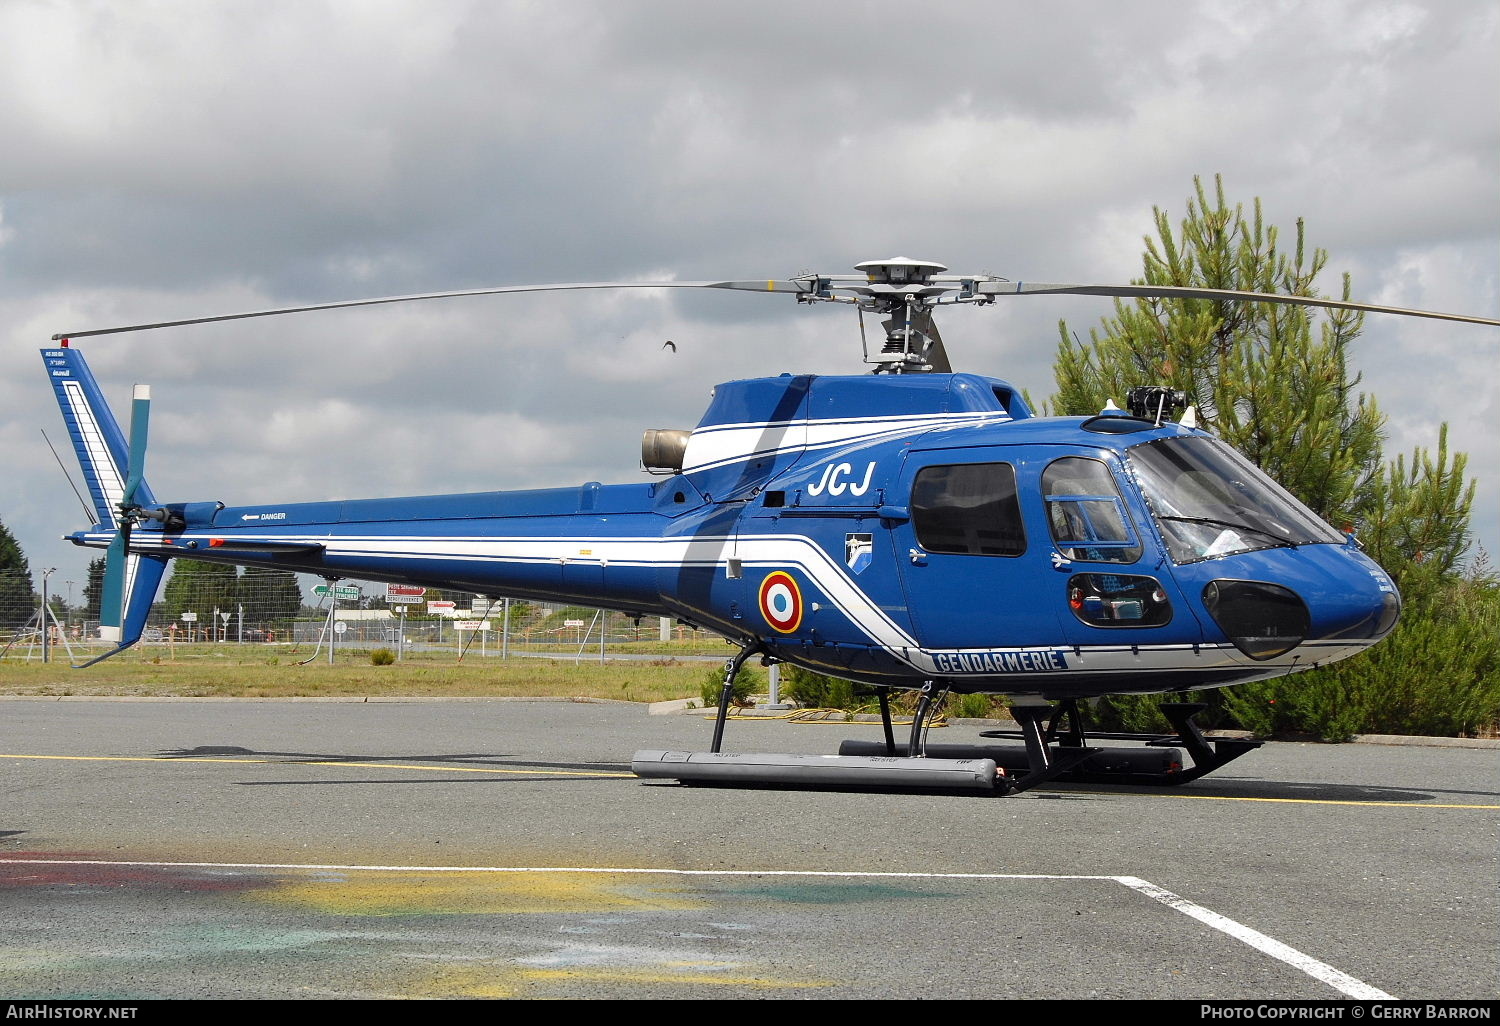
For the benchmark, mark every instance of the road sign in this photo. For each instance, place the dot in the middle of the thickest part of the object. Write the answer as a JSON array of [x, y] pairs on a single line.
[[189, 617], [342, 592], [403, 594], [471, 625], [340, 627], [441, 607]]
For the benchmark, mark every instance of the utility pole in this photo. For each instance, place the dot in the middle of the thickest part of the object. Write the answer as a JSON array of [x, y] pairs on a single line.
[[42, 620]]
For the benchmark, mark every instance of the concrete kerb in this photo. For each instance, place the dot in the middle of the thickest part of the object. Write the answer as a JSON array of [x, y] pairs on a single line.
[[1427, 742], [676, 705]]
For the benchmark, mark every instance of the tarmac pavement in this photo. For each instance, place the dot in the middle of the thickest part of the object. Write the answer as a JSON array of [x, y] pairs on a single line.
[[410, 848]]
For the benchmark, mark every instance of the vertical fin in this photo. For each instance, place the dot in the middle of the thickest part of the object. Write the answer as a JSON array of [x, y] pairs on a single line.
[[104, 455], [96, 435]]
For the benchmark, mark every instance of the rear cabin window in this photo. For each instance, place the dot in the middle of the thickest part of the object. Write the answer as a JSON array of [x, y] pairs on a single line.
[[969, 509]]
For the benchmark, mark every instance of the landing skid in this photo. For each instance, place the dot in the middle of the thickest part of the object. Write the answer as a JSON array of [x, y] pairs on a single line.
[[1055, 747], [822, 772]]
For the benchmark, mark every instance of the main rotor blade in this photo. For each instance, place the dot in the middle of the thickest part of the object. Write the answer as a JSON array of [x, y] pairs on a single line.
[[794, 287], [1017, 288], [812, 284]]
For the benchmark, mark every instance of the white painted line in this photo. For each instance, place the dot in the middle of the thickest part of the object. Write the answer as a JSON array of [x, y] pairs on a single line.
[[553, 869], [1259, 941], [1321, 971]]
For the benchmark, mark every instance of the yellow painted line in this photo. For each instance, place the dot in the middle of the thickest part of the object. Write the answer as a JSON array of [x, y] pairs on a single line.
[[471, 769], [306, 762], [647, 976], [632, 776], [1284, 801], [124, 758]]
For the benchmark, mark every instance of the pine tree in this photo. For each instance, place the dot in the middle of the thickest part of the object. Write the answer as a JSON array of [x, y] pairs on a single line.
[[199, 587], [18, 600], [93, 589], [1274, 382], [1265, 381], [269, 596], [1417, 513], [1258, 374]]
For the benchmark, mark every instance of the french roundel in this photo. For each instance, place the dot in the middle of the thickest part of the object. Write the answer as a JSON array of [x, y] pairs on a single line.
[[781, 602]]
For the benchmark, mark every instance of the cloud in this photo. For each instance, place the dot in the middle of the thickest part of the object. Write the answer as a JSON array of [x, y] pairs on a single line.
[[171, 158]]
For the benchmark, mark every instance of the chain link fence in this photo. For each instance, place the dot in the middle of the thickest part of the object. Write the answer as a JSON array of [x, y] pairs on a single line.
[[20, 605], [477, 625], [251, 610]]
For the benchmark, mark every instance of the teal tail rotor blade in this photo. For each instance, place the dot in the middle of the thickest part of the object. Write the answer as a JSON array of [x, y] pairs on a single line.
[[112, 597], [112, 604], [140, 421]]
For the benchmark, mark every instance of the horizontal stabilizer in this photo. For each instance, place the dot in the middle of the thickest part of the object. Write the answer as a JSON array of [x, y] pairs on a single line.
[[143, 576], [230, 546]]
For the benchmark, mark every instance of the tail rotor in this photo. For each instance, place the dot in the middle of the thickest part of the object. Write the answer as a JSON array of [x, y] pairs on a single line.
[[112, 605]]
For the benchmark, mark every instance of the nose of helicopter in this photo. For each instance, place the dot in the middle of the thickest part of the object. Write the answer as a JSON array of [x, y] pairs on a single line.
[[1364, 605], [1322, 594]]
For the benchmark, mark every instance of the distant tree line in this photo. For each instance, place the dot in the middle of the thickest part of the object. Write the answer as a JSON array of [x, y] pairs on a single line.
[[18, 599], [264, 596]]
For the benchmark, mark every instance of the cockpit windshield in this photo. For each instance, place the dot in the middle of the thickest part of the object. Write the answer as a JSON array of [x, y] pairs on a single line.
[[1210, 501]]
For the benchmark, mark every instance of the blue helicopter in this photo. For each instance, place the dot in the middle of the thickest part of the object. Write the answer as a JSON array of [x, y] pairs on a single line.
[[911, 528]]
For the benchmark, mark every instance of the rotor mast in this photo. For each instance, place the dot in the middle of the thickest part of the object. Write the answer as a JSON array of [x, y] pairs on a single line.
[[904, 292]]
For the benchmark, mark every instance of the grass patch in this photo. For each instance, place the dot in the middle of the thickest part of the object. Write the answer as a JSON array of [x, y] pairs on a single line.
[[252, 671]]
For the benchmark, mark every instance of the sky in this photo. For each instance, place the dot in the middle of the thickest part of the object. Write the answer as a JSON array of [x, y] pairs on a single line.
[[177, 158]]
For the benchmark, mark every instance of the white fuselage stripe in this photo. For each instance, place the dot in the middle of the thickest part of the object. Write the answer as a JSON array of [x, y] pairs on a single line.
[[822, 570], [108, 478], [724, 444], [111, 482]]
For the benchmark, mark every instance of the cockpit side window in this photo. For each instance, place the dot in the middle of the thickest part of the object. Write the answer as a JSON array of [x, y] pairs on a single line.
[[1085, 513], [969, 509]]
